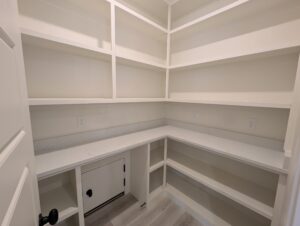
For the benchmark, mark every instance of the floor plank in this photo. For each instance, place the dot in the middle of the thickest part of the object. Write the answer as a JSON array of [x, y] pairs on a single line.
[[126, 211]]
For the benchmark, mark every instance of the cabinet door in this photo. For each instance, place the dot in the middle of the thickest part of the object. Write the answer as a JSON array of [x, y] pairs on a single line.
[[103, 183]]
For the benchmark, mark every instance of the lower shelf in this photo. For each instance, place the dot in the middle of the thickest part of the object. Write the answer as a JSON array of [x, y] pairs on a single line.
[[236, 196], [202, 214], [60, 198], [208, 206]]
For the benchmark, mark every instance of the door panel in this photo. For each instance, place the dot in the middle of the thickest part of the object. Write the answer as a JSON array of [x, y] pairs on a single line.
[[10, 108], [22, 215], [15, 157]]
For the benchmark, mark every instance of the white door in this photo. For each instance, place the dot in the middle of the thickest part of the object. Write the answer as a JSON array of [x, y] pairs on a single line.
[[18, 187]]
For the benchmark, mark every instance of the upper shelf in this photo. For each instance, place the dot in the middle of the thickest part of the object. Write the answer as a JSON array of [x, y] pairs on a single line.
[[209, 15], [37, 38], [138, 15], [284, 37], [62, 160]]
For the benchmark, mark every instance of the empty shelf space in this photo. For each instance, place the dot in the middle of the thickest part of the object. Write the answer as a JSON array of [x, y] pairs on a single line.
[[204, 13], [267, 99], [157, 151], [156, 180], [59, 192], [227, 191], [213, 208], [55, 72], [139, 14], [139, 81], [264, 158], [137, 40], [286, 39], [29, 36], [195, 209], [71, 22]]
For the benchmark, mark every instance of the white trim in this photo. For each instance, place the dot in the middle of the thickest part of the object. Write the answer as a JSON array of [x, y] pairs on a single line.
[[16, 197], [9, 149]]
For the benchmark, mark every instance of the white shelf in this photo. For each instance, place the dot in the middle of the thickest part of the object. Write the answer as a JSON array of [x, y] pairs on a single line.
[[198, 211], [156, 155], [156, 166], [253, 99], [236, 196], [209, 15], [285, 37], [137, 61], [62, 160], [69, 101], [37, 38], [137, 15], [61, 199]]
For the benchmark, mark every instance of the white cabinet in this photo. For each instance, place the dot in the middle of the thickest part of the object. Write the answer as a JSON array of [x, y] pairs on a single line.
[[102, 184]]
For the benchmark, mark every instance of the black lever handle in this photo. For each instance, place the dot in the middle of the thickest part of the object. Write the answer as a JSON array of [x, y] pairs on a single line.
[[52, 218]]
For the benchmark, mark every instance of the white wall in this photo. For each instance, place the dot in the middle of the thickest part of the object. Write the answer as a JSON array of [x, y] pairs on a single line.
[[262, 122], [56, 127]]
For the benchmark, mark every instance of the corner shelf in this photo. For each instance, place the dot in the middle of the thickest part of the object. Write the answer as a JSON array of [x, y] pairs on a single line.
[[237, 196], [137, 15]]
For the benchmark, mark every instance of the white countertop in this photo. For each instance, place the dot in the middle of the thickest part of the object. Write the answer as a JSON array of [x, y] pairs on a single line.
[[65, 159]]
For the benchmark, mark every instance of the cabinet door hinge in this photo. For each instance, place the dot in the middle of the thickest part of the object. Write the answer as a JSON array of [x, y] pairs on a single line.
[[124, 182], [124, 168]]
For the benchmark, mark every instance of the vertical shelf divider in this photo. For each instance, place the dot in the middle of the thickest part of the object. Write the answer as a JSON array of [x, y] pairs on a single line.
[[79, 196], [168, 52], [113, 49], [165, 162]]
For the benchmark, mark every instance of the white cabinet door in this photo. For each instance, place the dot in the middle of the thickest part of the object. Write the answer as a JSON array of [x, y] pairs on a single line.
[[18, 188], [103, 183]]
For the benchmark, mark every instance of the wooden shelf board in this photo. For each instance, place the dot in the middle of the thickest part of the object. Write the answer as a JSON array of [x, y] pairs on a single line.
[[286, 40], [195, 209], [236, 196], [156, 166], [60, 198], [62, 160], [129, 59], [209, 15], [250, 99], [36, 37], [137, 15], [68, 101]]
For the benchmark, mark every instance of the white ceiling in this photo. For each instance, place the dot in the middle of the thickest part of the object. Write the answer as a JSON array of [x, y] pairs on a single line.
[[171, 1]]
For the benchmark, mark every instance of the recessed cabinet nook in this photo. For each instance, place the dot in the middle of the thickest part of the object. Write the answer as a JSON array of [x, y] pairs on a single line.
[[194, 100]]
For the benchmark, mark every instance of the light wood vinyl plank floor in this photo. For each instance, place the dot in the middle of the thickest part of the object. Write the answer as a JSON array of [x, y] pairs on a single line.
[[126, 211]]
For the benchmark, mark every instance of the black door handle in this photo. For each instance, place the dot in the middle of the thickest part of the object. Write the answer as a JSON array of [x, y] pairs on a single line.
[[52, 218]]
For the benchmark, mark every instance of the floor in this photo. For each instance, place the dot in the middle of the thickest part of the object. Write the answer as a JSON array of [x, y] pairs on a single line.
[[125, 211]]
